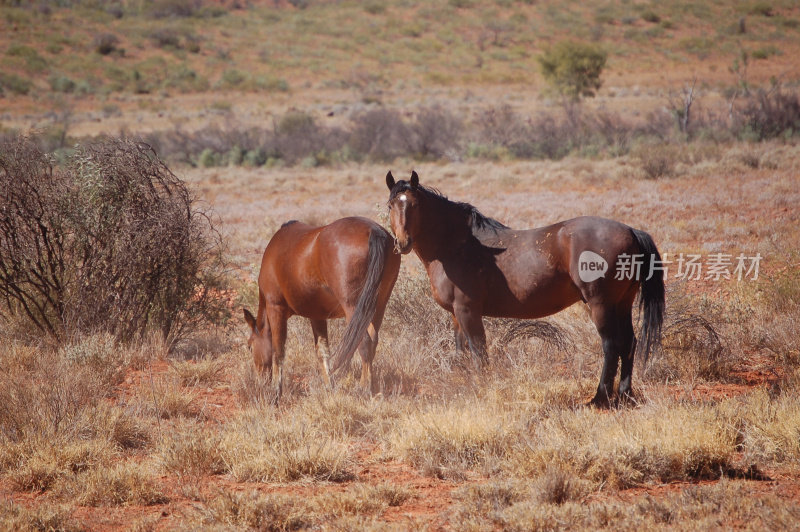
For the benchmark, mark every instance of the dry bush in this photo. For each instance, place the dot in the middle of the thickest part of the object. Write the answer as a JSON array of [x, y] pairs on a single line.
[[416, 345], [192, 451], [39, 463], [55, 421], [164, 398], [82, 246], [770, 427], [342, 414], [693, 343], [258, 446], [660, 442], [657, 160], [114, 485], [256, 511], [768, 114], [338, 510], [446, 441], [435, 134], [557, 486], [482, 503], [381, 135], [721, 505], [46, 395], [204, 371], [42, 516]]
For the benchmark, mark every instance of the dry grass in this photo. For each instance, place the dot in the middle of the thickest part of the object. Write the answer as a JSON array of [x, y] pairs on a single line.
[[205, 371], [192, 451], [41, 517], [119, 484], [258, 446], [101, 426]]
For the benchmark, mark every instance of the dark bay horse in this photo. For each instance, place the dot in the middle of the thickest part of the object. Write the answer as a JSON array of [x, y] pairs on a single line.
[[479, 267], [345, 269]]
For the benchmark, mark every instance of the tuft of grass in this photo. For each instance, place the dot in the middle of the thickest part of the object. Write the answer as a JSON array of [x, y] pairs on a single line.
[[255, 511], [658, 442], [42, 516], [166, 399], [206, 371], [447, 442], [37, 465], [257, 446], [192, 451], [115, 485]]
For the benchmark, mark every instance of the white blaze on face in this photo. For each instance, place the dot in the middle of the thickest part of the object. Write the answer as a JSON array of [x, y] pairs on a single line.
[[402, 197]]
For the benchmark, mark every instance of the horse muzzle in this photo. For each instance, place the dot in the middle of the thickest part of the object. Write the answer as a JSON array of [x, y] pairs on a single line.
[[403, 248]]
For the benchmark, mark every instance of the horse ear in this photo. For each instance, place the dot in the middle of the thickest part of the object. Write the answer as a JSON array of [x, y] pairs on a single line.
[[250, 319], [414, 179], [390, 180]]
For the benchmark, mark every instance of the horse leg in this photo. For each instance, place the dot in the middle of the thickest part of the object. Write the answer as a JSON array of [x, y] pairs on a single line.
[[367, 351], [627, 350], [471, 325], [605, 320], [277, 319], [320, 330], [460, 339]]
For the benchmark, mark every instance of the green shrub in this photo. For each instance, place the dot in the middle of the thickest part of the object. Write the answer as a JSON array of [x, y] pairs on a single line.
[[573, 69], [232, 78], [61, 83], [15, 83], [33, 61]]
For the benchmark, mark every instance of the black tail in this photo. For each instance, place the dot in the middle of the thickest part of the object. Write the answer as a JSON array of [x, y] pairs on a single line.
[[651, 299], [367, 301]]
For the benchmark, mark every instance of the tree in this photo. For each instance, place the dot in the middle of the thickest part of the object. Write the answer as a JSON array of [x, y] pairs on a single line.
[[573, 68]]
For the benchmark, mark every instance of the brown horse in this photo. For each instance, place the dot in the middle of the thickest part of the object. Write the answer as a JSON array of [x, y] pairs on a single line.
[[345, 269], [479, 267]]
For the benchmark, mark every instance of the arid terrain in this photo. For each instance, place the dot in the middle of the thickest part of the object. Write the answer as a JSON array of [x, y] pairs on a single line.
[[97, 433]]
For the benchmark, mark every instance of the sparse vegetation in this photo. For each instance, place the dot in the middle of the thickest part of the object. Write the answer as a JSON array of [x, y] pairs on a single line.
[[573, 68], [106, 424]]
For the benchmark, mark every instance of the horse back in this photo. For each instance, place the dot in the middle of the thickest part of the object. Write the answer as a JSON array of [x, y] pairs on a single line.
[[315, 270]]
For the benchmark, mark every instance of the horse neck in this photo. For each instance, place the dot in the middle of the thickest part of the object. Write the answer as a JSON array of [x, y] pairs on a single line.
[[444, 230]]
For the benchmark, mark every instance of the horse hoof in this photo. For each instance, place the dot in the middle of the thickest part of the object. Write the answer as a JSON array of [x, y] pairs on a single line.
[[600, 402]]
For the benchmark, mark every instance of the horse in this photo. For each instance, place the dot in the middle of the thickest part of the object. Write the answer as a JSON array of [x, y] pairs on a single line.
[[479, 267], [345, 269]]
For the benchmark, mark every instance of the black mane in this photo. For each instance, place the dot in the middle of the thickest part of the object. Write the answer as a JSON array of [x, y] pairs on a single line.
[[479, 223]]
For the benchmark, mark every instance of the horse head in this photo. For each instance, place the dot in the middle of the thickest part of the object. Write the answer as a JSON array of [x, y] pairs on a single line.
[[259, 342], [404, 207]]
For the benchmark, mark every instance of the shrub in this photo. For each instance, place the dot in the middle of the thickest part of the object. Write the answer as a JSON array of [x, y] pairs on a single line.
[[175, 8], [14, 83], [82, 247], [769, 114], [435, 133], [651, 16], [62, 84], [573, 69], [165, 38], [105, 43], [380, 134]]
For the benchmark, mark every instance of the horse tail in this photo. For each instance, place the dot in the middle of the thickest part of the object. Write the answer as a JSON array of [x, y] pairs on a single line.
[[651, 298], [379, 243]]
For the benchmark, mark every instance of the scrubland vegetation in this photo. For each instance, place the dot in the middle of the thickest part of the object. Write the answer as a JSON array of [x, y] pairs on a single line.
[[127, 396]]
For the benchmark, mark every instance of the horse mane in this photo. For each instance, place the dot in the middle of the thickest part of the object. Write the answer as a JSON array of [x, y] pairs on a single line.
[[479, 222], [290, 222]]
